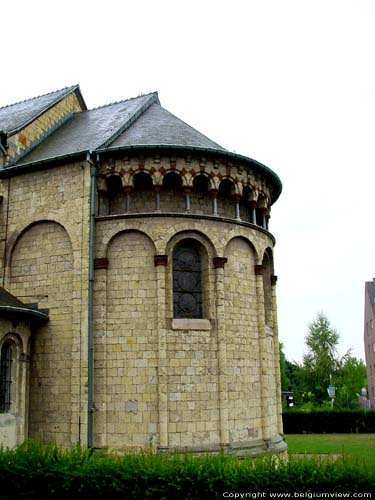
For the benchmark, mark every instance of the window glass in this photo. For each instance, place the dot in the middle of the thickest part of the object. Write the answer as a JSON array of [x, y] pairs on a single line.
[[6, 377], [187, 280]]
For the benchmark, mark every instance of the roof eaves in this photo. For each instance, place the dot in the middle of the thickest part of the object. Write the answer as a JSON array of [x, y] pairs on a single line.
[[69, 90], [217, 152], [24, 311], [22, 168], [152, 99]]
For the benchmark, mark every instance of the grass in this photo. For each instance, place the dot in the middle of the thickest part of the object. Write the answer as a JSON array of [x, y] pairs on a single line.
[[359, 447], [41, 472]]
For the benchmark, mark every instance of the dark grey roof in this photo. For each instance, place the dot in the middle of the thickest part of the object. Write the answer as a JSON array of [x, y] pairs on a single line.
[[370, 285], [13, 308], [138, 123], [158, 127], [16, 116], [90, 130]]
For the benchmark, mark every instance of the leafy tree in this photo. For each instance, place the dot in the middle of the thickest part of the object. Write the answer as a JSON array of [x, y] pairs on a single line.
[[289, 377], [321, 367], [350, 379], [321, 362], [285, 382]]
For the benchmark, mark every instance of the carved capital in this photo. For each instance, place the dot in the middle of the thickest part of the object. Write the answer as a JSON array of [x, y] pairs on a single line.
[[101, 263], [219, 262], [160, 260]]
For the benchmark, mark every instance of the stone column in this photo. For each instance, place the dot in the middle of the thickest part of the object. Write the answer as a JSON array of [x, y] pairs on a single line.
[[253, 214], [236, 199], [213, 193], [268, 216], [157, 190], [187, 191], [219, 263], [276, 355], [127, 190], [161, 262], [103, 208], [264, 213], [101, 188], [264, 385], [22, 428]]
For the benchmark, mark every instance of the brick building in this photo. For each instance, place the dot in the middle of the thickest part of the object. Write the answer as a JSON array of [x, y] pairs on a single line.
[[369, 338], [138, 304]]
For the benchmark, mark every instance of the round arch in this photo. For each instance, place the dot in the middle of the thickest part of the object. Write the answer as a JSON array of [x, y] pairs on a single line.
[[121, 232], [14, 242], [191, 234]]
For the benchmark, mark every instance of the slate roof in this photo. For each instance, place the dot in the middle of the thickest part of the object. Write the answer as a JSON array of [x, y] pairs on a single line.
[[90, 130], [16, 116], [137, 123], [11, 307], [157, 126]]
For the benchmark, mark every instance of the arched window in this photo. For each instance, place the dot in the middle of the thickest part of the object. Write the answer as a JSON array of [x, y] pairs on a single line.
[[6, 366], [116, 195], [142, 182], [187, 280]]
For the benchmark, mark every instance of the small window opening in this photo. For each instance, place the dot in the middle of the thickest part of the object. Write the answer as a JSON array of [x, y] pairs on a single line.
[[187, 280], [142, 182], [6, 377], [200, 184]]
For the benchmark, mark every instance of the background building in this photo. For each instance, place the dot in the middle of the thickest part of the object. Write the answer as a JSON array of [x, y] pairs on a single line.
[[139, 255], [369, 338]]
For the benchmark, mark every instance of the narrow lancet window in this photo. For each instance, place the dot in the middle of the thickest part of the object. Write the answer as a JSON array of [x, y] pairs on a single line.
[[6, 377], [187, 280]]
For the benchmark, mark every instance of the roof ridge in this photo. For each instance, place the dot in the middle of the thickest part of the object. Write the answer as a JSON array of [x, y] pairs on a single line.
[[41, 95], [124, 100], [153, 98]]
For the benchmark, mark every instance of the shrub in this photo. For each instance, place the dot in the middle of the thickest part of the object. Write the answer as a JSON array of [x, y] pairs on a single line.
[[331, 421]]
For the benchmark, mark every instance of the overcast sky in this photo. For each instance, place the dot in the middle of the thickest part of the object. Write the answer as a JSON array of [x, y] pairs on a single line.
[[290, 83]]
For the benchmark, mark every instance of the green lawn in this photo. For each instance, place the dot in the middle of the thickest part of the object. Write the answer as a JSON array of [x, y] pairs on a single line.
[[359, 447]]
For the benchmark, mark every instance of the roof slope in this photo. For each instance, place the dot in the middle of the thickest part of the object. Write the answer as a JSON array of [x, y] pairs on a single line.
[[159, 127], [16, 116], [90, 130], [11, 307]]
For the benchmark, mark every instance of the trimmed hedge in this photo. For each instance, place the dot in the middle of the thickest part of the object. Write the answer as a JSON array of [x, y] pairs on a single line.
[[42, 472], [319, 422]]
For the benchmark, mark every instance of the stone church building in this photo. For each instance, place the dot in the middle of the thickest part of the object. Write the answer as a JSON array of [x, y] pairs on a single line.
[[137, 294]]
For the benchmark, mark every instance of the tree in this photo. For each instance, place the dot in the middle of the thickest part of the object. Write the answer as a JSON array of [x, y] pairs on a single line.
[[350, 379], [321, 362], [289, 376], [285, 382]]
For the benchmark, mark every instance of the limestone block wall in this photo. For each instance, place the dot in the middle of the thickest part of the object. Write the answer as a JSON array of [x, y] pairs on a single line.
[[160, 382], [242, 341], [45, 226], [43, 253], [197, 383], [127, 380]]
